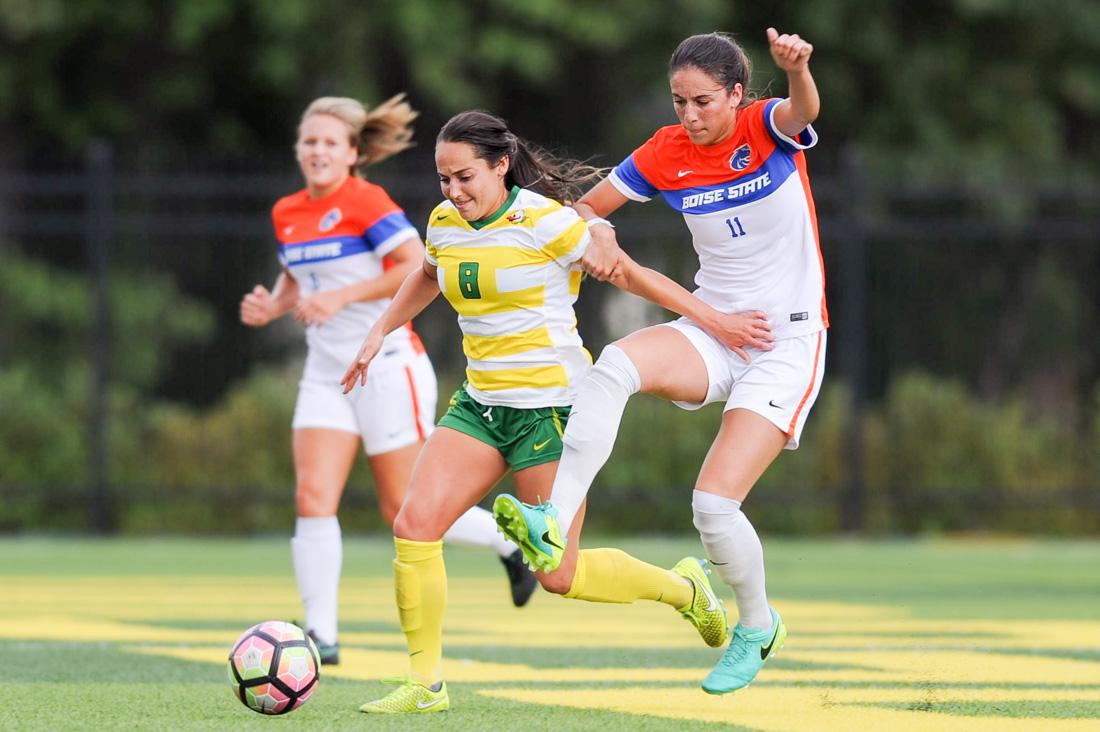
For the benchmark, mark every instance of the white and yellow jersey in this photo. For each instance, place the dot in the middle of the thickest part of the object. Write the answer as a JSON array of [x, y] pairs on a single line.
[[511, 279]]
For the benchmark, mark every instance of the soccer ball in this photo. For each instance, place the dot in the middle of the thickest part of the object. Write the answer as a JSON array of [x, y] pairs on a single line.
[[274, 667]]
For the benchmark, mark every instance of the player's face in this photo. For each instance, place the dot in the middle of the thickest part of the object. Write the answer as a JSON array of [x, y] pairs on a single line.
[[324, 153], [474, 187], [706, 109]]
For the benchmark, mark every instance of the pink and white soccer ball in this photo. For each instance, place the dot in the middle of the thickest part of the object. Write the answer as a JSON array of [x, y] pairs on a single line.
[[274, 667]]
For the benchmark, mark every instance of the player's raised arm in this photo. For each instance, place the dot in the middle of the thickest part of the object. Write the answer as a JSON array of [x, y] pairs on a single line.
[[791, 54]]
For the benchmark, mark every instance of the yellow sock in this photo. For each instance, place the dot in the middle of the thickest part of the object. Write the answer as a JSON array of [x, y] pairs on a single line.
[[420, 582], [612, 575]]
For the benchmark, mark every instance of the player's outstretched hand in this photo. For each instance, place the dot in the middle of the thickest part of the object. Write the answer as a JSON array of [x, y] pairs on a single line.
[[789, 51], [318, 309], [358, 369], [602, 255], [739, 331], [256, 307]]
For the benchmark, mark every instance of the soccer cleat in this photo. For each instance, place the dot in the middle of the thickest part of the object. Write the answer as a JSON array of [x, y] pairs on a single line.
[[330, 654], [705, 611], [533, 528], [409, 698], [747, 652], [521, 579]]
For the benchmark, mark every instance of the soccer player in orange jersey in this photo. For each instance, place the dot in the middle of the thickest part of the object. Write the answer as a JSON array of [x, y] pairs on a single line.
[[734, 166]]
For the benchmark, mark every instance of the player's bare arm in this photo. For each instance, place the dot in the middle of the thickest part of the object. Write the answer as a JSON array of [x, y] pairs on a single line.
[[416, 293], [321, 307], [791, 54], [736, 330], [260, 307]]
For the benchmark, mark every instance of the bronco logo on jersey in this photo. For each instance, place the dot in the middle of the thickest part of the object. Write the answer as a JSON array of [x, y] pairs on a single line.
[[741, 157], [330, 220]]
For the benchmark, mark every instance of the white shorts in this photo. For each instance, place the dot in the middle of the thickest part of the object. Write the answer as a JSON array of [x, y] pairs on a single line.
[[395, 408], [780, 385]]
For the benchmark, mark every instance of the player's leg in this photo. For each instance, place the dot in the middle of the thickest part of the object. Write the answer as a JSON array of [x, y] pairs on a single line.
[[453, 472], [658, 360], [396, 410], [612, 575], [322, 461], [765, 412]]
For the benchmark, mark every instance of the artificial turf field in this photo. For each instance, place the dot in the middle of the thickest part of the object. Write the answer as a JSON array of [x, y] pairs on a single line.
[[900, 635]]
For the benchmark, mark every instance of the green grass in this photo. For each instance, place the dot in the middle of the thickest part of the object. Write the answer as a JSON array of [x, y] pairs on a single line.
[[990, 610]]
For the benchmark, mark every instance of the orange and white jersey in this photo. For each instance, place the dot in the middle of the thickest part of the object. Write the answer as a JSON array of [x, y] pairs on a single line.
[[338, 240], [748, 205]]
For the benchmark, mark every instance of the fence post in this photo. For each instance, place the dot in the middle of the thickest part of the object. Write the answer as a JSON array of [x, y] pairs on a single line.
[[853, 355], [98, 234]]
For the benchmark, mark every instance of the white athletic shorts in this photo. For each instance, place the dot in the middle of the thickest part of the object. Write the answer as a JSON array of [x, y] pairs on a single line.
[[395, 408], [780, 385]]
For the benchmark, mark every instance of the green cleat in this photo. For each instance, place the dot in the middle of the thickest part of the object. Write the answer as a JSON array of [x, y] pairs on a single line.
[[705, 611], [745, 656], [533, 528], [409, 698]]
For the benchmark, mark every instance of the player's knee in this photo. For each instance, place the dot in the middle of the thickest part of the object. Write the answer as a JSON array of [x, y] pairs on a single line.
[[416, 523], [557, 582], [613, 378], [713, 514], [313, 498]]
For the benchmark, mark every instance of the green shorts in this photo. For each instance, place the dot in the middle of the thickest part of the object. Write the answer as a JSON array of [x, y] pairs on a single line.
[[525, 437]]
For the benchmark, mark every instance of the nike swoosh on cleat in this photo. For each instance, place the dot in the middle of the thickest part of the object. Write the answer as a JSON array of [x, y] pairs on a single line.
[[422, 705], [713, 600], [546, 538], [765, 650]]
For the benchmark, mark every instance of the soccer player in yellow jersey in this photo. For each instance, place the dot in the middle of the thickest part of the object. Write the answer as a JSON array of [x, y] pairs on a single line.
[[508, 256]]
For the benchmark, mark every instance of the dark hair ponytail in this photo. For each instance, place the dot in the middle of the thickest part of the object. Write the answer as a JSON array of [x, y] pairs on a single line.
[[719, 56], [529, 166]]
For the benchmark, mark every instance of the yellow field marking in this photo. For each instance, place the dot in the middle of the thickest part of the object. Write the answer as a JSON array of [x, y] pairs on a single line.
[[801, 709], [917, 659]]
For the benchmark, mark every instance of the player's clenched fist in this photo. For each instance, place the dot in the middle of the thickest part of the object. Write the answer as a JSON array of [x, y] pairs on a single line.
[[791, 53]]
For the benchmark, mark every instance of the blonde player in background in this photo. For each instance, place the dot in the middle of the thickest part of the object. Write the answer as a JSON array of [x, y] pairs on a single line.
[[345, 247], [735, 168], [504, 252]]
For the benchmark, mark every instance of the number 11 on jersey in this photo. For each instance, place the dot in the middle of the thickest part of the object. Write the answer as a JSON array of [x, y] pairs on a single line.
[[736, 229]]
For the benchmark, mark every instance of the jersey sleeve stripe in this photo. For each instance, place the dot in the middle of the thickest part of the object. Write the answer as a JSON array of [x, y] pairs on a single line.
[[569, 246], [630, 182], [805, 140], [389, 231]]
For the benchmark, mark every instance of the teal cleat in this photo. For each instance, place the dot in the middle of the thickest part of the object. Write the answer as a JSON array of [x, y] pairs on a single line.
[[534, 529], [329, 653], [746, 654]]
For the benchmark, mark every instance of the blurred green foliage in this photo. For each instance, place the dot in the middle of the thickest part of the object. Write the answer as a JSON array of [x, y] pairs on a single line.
[[977, 89]]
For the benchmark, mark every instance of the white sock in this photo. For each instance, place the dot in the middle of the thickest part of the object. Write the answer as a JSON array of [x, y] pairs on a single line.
[[592, 429], [318, 553], [476, 527], [736, 553]]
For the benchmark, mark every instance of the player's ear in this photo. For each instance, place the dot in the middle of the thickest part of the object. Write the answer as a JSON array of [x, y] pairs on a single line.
[[503, 165], [737, 94]]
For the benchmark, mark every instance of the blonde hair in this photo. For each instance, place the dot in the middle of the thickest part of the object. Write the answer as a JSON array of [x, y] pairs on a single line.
[[377, 134]]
